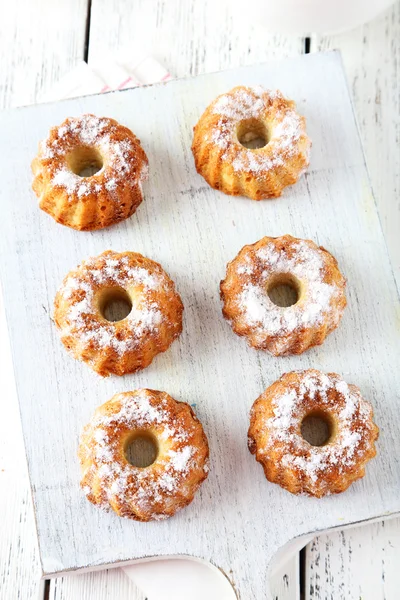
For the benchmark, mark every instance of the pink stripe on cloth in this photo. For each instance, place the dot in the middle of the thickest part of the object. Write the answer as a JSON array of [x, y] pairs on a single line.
[[124, 84], [107, 75]]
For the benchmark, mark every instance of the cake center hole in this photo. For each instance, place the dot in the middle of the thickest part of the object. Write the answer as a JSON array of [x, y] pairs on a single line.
[[115, 304], [283, 291], [316, 429], [253, 134], [142, 450], [85, 161]]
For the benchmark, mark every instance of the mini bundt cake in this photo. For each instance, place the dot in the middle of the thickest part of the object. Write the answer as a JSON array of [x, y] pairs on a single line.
[[118, 346], [251, 142], [276, 425], [159, 490], [310, 271], [88, 173]]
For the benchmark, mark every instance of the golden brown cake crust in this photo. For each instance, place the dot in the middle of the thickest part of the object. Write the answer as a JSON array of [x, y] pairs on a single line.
[[155, 492], [122, 346], [287, 458], [312, 270], [243, 114], [110, 195]]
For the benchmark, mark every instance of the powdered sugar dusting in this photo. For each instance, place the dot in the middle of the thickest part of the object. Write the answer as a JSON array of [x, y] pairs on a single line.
[[242, 103], [147, 490], [304, 262], [330, 394], [180, 458], [284, 125], [103, 134], [112, 270], [67, 180]]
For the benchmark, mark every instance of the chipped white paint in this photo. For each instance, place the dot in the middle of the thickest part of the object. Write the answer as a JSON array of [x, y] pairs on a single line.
[[188, 36], [39, 42], [371, 56], [19, 561], [204, 230], [362, 562]]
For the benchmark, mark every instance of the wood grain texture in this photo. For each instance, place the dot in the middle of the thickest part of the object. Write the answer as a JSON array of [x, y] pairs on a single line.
[[109, 584], [285, 583], [19, 563], [72, 533], [335, 571], [371, 56], [40, 41], [19, 566], [189, 37]]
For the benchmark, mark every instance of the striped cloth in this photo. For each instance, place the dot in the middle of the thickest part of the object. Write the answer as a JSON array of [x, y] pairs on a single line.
[[106, 76]]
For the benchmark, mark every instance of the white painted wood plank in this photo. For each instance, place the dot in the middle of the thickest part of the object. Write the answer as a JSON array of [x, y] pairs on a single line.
[[356, 563], [109, 584], [334, 191], [19, 564], [285, 583], [371, 56], [40, 41], [189, 37], [19, 567]]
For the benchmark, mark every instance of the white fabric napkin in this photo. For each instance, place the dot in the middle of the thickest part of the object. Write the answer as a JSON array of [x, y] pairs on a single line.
[[105, 76]]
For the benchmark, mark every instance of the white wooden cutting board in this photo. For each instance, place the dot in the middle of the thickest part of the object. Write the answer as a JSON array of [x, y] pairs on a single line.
[[238, 520]]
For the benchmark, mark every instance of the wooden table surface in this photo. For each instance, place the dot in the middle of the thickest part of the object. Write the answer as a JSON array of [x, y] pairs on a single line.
[[41, 41]]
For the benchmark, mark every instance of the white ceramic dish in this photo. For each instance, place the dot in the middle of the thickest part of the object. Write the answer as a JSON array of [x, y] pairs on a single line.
[[312, 16]]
